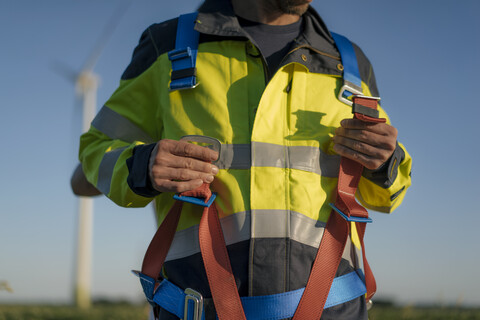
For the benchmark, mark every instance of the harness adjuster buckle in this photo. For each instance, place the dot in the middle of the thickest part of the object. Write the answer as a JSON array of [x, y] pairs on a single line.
[[347, 90], [208, 142], [213, 144], [197, 299], [178, 54], [350, 218], [184, 74], [359, 108], [197, 201]]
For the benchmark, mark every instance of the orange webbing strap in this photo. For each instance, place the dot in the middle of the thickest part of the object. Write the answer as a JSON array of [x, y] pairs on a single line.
[[214, 253], [158, 249], [336, 233], [162, 240], [217, 266]]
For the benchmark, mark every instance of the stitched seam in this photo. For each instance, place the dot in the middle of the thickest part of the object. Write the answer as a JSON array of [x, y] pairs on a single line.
[[153, 42]]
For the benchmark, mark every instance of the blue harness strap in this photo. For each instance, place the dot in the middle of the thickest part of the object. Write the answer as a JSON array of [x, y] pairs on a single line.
[[352, 83], [272, 307], [184, 56]]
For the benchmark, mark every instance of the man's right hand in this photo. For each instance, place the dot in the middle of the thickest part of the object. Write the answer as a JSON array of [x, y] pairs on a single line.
[[178, 166]]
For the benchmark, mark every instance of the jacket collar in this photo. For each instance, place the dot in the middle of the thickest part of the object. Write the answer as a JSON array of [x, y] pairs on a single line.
[[216, 17]]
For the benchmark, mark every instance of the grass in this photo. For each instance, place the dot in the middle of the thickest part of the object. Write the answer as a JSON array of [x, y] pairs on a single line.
[[140, 312], [97, 312], [423, 313]]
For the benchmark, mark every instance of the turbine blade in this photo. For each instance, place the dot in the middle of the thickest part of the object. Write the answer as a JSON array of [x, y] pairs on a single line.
[[112, 24], [64, 70]]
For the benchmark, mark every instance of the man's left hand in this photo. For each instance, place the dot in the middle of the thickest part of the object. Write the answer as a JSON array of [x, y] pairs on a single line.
[[370, 144]]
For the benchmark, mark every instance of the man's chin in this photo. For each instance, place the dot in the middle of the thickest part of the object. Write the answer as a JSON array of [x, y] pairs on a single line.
[[297, 10], [295, 7]]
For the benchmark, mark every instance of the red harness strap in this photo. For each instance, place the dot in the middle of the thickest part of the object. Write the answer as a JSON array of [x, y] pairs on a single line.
[[217, 265], [214, 253], [215, 256], [335, 237]]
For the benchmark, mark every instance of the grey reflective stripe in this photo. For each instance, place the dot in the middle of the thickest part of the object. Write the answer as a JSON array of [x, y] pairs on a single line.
[[234, 156], [311, 159], [287, 224], [240, 227], [236, 228], [105, 171], [116, 126], [305, 158]]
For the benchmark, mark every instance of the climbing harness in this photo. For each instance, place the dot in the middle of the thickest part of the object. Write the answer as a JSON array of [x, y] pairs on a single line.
[[323, 290]]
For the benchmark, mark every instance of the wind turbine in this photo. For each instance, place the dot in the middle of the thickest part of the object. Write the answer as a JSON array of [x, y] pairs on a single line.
[[86, 85]]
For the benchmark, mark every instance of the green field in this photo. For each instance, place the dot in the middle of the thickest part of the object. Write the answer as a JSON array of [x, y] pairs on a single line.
[[423, 313], [98, 312], [136, 312]]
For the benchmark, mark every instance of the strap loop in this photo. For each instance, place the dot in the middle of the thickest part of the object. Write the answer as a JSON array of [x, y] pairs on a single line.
[[184, 56], [352, 83], [358, 108]]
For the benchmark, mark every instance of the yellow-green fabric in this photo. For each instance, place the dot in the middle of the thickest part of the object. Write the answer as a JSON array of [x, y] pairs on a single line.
[[229, 105], [281, 171]]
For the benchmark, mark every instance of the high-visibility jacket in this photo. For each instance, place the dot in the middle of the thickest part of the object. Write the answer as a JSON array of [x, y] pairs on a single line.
[[278, 170]]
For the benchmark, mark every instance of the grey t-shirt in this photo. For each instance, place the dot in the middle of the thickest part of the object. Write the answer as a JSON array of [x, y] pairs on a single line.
[[273, 41]]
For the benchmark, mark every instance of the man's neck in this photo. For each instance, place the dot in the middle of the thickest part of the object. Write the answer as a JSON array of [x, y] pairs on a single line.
[[262, 11]]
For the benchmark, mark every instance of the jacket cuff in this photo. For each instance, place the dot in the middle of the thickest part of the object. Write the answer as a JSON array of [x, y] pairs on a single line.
[[385, 175], [138, 178]]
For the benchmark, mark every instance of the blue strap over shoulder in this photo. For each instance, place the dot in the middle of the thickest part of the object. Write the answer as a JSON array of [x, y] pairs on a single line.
[[184, 56], [352, 83]]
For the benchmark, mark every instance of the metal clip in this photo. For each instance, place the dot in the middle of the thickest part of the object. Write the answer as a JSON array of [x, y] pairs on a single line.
[[197, 299], [349, 87], [369, 304], [210, 142]]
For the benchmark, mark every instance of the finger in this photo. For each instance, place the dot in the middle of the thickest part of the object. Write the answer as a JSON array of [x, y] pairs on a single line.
[[164, 173], [185, 149], [163, 157], [371, 138], [373, 152], [193, 164], [178, 186], [378, 128], [365, 160]]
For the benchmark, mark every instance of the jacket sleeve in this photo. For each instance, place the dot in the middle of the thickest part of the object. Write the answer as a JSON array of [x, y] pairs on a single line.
[[126, 125], [383, 189]]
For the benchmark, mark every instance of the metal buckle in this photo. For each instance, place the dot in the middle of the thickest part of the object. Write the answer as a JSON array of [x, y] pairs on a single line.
[[187, 82], [183, 87], [197, 298], [368, 97], [349, 87], [210, 142], [369, 304], [178, 54]]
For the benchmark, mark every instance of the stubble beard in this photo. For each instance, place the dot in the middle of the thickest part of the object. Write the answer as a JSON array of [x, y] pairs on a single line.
[[295, 7]]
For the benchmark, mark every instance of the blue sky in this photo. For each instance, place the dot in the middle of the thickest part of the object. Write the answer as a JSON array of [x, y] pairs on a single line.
[[425, 54]]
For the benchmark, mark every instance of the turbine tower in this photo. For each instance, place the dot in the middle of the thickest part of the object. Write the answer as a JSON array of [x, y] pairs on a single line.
[[86, 85]]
